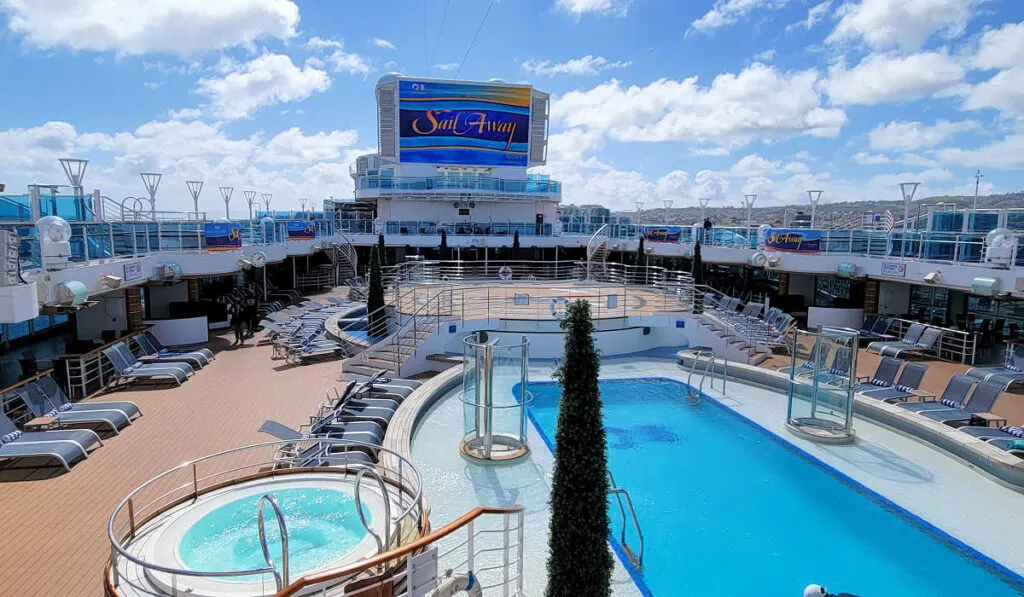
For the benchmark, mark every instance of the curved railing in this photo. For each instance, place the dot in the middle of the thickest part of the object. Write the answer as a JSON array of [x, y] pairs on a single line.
[[188, 481], [280, 578]]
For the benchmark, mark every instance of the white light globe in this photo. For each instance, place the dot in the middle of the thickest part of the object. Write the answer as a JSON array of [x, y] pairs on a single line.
[[54, 229]]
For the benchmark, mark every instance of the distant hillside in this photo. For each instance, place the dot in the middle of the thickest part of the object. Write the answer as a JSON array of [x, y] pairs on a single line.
[[738, 215]]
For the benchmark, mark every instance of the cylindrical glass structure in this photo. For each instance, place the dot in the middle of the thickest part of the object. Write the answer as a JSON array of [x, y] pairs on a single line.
[[821, 388], [495, 395]]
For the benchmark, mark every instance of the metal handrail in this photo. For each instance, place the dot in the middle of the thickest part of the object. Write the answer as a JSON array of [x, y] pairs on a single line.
[[384, 545], [280, 579], [619, 493]]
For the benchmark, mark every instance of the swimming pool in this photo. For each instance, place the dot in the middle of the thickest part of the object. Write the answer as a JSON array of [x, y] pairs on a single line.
[[322, 526], [726, 509]]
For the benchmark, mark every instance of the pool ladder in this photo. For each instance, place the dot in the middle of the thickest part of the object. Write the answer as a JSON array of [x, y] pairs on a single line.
[[385, 543], [709, 367], [280, 578], [635, 558]]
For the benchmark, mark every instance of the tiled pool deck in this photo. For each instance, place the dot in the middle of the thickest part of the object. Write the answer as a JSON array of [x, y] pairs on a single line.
[[942, 491]]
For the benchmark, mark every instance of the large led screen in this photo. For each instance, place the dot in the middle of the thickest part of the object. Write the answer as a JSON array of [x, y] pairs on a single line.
[[463, 123]]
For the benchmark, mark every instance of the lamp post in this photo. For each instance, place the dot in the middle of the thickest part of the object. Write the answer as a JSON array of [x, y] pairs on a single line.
[[152, 182], [250, 198], [907, 189], [225, 193], [302, 206], [977, 183], [749, 201], [266, 203], [195, 187], [815, 197], [704, 202]]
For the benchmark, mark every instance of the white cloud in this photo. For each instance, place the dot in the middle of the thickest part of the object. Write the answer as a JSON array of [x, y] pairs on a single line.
[[907, 24], [709, 151], [728, 12], [1002, 92], [142, 26], [293, 147], [1001, 48], [923, 176], [909, 136], [332, 51], [185, 114], [797, 168], [586, 65], [447, 66], [754, 165], [1007, 154], [267, 80], [765, 56], [151, 84], [814, 16], [383, 43], [578, 8], [869, 159], [760, 102], [883, 78]]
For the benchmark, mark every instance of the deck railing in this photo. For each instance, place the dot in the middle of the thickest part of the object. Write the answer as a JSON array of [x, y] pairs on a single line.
[[957, 346]]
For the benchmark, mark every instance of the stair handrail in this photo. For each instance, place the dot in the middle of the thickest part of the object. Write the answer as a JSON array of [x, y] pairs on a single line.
[[619, 493], [385, 544], [280, 578]]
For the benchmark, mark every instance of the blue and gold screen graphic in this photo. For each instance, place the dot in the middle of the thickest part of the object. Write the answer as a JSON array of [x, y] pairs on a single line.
[[463, 123]]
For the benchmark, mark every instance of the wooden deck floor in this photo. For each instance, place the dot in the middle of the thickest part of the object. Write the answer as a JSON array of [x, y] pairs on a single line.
[[53, 538]]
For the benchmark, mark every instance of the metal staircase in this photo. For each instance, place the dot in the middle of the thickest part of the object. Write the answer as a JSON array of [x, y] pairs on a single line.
[[597, 254]]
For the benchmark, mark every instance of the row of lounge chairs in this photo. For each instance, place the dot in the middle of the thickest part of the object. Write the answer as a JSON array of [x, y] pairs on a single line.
[[919, 339], [359, 411], [298, 332], [750, 322], [155, 361], [76, 424], [1010, 373]]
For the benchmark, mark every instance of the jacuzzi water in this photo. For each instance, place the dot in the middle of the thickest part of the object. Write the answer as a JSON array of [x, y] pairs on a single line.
[[727, 510], [322, 526]]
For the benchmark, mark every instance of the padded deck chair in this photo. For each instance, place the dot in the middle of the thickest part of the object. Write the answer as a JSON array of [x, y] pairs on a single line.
[[910, 338], [362, 431], [927, 344], [910, 379], [381, 380], [885, 374], [65, 446], [60, 401], [956, 392], [151, 347], [986, 433], [805, 367], [982, 400], [35, 399], [129, 368], [1009, 373]]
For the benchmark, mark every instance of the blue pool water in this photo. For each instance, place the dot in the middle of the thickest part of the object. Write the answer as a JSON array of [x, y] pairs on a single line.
[[322, 526], [726, 510]]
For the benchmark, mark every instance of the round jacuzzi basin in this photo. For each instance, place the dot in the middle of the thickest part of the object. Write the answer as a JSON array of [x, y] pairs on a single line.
[[322, 526]]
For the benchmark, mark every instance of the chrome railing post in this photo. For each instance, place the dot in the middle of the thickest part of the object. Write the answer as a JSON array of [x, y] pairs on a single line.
[[504, 557], [469, 546], [282, 578]]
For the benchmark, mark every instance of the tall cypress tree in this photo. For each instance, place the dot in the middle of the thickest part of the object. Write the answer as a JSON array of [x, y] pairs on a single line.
[[444, 245], [640, 255], [579, 560], [376, 317], [515, 245], [698, 265], [382, 249]]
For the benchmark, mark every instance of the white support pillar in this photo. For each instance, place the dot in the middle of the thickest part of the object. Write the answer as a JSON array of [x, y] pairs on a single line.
[[815, 197], [749, 201], [151, 180], [225, 193], [250, 198], [908, 189], [195, 188]]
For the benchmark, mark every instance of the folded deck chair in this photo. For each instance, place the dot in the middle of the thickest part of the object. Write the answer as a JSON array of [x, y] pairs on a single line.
[[35, 399], [885, 374], [981, 401], [128, 368], [65, 446], [910, 379], [927, 344], [149, 343], [909, 339], [59, 400], [955, 393]]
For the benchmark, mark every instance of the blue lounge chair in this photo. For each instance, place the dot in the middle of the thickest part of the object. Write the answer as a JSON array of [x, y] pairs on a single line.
[[928, 344], [59, 400], [319, 454], [196, 360], [910, 338], [805, 367], [35, 399], [127, 367], [910, 379], [1009, 373], [885, 374], [955, 393], [982, 400], [65, 446]]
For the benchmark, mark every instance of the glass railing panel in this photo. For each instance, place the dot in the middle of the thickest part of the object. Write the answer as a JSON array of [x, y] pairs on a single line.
[[69, 207], [15, 208]]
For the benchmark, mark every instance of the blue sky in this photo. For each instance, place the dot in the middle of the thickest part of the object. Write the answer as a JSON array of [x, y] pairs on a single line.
[[653, 100]]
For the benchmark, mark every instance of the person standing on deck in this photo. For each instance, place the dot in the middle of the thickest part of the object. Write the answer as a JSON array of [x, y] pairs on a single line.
[[235, 311]]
